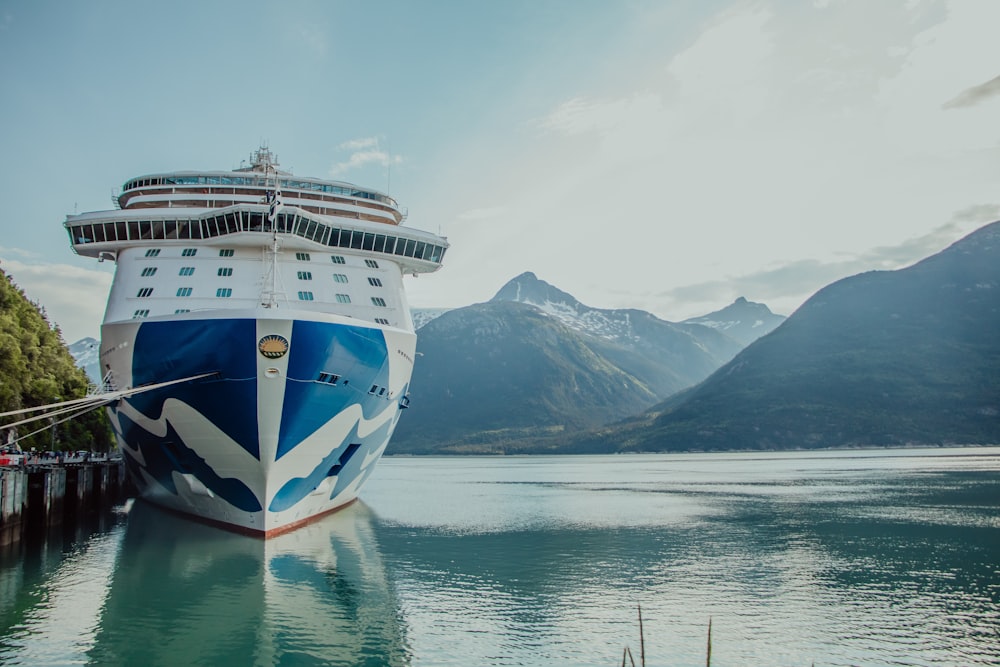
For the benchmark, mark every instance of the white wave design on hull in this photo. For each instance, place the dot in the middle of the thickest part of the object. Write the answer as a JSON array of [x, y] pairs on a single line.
[[229, 460]]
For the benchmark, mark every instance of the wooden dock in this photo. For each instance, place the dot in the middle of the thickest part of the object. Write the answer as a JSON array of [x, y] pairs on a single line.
[[39, 494]]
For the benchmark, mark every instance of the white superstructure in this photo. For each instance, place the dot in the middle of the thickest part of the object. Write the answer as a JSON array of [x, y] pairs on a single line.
[[283, 296]]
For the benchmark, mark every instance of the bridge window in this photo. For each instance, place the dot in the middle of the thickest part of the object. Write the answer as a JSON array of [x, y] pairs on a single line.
[[337, 259], [186, 271], [374, 282], [144, 292], [148, 271], [305, 296], [305, 275], [378, 301], [371, 263], [224, 292], [343, 298], [340, 278], [225, 271], [184, 291], [152, 252], [226, 252], [189, 252]]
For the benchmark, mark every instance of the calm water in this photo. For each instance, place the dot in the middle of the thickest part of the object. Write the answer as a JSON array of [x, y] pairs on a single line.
[[846, 558]]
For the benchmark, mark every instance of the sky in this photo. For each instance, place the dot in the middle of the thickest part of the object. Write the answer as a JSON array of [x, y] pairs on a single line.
[[669, 156]]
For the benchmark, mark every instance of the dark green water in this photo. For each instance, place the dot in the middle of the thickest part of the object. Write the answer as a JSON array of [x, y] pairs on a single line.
[[825, 558]]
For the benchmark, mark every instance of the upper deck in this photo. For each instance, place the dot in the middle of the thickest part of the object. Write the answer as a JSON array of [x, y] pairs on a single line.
[[253, 185], [189, 206]]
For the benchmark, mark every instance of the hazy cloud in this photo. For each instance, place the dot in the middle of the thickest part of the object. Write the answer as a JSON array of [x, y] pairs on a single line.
[[978, 214], [313, 38], [794, 281], [975, 95], [477, 214], [20, 252], [73, 297]]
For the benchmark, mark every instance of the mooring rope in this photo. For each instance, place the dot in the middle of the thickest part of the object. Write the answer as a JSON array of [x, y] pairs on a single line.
[[54, 424], [90, 402]]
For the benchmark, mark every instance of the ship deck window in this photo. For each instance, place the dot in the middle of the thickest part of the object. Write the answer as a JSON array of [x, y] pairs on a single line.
[[139, 314], [339, 278], [144, 292], [213, 225], [375, 282], [225, 271], [329, 378], [186, 271], [224, 292], [343, 298], [378, 301], [149, 271], [184, 291], [305, 296], [371, 263], [182, 310], [305, 275], [381, 320]]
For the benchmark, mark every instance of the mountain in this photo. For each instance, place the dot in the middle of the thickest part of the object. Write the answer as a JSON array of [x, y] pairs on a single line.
[[422, 316], [494, 377], [742, 320], [882, 358], [86, 353], [665, 355], [533, 364]]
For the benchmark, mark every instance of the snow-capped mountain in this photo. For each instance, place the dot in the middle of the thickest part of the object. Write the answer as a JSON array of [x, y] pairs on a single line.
[[743, 320], [86, 352], [422, 316]]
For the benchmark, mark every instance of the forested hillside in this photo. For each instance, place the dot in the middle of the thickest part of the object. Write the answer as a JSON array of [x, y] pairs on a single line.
[[37, 369]]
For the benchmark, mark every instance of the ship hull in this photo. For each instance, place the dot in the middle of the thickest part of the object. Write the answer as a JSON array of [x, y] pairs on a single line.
[[275, 421]]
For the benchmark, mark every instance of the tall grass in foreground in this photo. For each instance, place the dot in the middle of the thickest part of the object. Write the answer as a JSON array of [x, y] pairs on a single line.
[[627, 653]]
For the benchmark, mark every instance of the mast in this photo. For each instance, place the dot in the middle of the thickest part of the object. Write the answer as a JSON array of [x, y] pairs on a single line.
[[263, 160]]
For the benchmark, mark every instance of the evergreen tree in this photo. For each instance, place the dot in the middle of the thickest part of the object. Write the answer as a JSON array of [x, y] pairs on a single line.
[[36, 369]]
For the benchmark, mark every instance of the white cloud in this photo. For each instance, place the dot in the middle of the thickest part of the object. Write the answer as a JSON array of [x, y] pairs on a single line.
[[73, 297], [358, 144], [365, 151]]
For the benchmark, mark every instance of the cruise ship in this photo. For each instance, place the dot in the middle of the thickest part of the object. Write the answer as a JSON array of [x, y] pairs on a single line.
[[260, 321]]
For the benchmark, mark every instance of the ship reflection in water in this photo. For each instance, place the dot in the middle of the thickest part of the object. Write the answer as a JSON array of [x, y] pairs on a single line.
[[183, 593]]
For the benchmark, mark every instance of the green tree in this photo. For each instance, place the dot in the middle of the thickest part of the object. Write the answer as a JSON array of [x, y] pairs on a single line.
[[37, 369]]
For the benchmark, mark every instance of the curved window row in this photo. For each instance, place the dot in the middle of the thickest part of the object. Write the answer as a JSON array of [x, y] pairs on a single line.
[[261, 182], [247, 221]]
